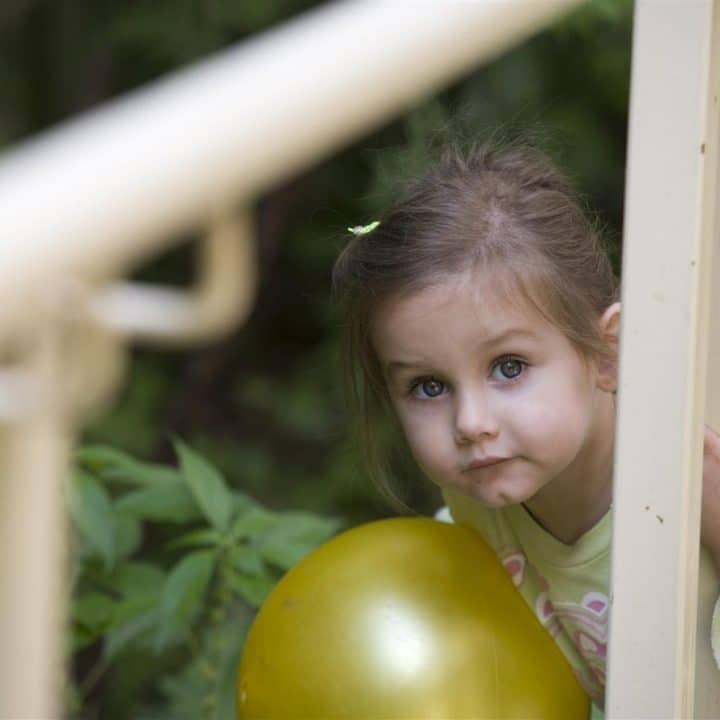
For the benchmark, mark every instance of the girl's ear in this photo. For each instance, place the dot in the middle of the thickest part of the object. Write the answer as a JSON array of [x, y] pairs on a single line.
[[609, 326]]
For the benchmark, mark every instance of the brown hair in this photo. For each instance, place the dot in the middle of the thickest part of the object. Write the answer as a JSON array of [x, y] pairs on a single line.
[[507, 209]]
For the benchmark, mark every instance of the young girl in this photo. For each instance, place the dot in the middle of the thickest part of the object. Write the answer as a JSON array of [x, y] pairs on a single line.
[[483, 318]]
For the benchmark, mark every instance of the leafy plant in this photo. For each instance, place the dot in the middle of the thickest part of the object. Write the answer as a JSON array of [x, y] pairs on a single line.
[[182, 602]]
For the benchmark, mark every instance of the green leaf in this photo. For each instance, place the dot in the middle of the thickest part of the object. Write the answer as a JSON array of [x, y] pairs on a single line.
[[308, 526], [254, 589], [91, 509], [207, 486], [188, 692], [127, 534], [99, 457], [131, 608], [73, 700], [92, 610], [254, 523], [228, 667], [91, 615], [140, 586], [81, 637], [197, 538], [142, 474], [116, 465], [247, 560], [242, 503], [170, 502], [284, 555], [136, 633], [183, 594], [297, 535], [135, 589], [138, 579]]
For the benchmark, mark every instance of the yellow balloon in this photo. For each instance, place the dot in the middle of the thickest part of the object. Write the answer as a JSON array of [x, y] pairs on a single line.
[[403, 619]]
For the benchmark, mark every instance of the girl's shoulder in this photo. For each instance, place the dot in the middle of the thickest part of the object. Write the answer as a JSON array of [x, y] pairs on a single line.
[[514, 527]]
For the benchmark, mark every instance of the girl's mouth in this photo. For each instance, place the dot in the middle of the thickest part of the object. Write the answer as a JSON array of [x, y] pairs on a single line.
[[483, 462]]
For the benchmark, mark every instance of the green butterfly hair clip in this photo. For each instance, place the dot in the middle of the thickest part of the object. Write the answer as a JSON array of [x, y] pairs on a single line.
[[358, 230]]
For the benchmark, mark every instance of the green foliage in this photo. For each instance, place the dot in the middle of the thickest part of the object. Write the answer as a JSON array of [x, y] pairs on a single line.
[[207, 487], [136, 416], [186, 601]]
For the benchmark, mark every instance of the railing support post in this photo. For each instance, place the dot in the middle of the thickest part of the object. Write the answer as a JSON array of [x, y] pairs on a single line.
[[670, 230], [33, 559]]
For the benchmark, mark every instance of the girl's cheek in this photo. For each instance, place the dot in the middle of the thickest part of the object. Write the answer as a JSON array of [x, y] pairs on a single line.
[[550, 404], [417, 435], [416, 415], [423, 436], [541, 413]]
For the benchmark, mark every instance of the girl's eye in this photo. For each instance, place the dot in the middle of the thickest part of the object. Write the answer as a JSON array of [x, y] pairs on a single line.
[[429, 388], [509, 368]]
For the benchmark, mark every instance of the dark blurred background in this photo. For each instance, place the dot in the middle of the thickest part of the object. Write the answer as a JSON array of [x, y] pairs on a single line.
[[265, 405]]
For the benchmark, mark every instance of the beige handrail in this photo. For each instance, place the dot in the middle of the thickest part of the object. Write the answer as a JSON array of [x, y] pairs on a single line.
[[116, 186]]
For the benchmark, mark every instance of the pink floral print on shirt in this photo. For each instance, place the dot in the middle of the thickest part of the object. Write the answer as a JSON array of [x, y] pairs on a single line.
[[584, 623]]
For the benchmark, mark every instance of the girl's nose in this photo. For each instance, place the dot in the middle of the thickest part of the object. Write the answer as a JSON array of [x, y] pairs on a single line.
[[474, 418]]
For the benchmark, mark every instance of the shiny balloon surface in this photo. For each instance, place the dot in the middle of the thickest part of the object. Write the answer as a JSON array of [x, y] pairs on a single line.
[[403, 619]]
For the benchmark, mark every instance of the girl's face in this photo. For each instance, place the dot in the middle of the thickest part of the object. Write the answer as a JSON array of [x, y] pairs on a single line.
[[494, 400]]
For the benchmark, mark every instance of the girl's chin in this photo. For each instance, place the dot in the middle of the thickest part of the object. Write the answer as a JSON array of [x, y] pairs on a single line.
[[497, 492], [499, 496], [495, 502]]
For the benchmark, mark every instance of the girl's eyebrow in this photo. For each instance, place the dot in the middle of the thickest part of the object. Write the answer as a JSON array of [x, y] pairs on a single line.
[[510, 334], [396, 366]]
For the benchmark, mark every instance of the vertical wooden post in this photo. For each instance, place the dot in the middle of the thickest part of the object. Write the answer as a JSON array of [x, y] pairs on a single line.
[[670, 228], [707, 678], [70, 368], [34, 457]]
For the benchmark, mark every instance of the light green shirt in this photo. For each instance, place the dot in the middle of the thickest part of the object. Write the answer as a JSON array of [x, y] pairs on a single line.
[[565, 585]]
